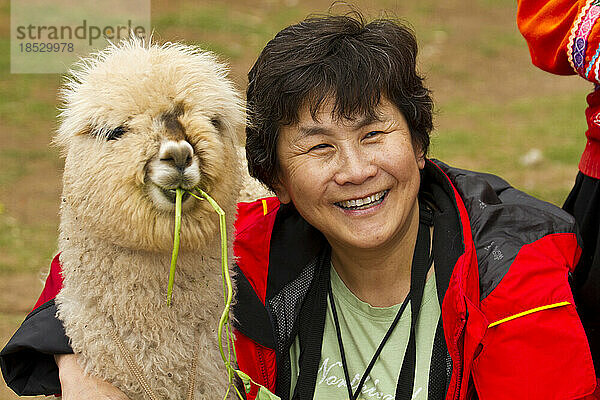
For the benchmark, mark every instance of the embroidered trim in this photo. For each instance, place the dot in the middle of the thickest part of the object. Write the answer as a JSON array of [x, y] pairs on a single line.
[[578, 40], [574, 30], [533, 310], [587, 72]]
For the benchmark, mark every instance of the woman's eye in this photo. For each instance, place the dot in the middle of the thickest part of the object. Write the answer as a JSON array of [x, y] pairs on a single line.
[[320, 146], [372, 134]]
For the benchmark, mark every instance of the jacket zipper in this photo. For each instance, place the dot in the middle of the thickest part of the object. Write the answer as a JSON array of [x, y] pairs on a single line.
[[265, 376], [460, 366]]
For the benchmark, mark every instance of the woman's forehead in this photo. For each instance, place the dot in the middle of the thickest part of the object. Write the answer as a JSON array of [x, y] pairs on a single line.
[[326, 115]]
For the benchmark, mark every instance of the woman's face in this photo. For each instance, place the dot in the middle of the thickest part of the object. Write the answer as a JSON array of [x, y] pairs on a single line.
[[354, 180]]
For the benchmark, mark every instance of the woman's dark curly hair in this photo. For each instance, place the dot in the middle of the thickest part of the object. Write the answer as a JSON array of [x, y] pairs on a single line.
[[338, 57]]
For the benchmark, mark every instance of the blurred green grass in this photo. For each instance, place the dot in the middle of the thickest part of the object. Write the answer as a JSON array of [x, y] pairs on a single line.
[[496, 138], [511, 128], [476, 126], [25, 247]]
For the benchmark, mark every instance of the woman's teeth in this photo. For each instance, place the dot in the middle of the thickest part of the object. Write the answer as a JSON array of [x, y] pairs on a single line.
[[361, 204]]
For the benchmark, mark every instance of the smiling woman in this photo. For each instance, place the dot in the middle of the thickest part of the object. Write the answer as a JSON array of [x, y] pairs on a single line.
[[339, 124], [356, 181]]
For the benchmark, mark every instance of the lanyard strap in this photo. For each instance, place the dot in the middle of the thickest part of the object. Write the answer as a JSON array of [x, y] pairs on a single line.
[[422, 260], [377, 352]]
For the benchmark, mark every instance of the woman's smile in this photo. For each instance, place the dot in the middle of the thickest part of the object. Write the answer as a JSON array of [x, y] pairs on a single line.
[[363, 203]]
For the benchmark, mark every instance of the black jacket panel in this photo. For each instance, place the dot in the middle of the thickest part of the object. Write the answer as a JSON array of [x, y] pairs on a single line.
[[27, 361]]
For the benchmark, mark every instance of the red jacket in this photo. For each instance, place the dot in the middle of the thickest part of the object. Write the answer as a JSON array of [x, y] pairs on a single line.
[[502, 263], [509, 319], [563, 38]]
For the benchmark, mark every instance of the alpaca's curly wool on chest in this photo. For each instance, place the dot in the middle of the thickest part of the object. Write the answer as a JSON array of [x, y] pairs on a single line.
[[111, 290]]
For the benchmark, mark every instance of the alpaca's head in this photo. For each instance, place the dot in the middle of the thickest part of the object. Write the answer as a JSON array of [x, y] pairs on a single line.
[[138, 121]]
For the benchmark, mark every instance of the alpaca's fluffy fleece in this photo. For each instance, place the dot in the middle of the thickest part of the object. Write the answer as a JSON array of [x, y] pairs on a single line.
[[251, 188], [117, 220]]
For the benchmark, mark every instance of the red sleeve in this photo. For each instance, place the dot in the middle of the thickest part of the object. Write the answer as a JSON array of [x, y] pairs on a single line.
[[562, 35], [54, 283], [534, 346]]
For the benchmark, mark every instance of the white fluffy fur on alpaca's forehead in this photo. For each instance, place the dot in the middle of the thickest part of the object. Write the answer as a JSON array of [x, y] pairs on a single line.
[[135, 77], [148, 91]]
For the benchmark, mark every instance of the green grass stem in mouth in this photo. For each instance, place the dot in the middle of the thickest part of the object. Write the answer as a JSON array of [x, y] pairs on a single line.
[[227, 293], [175, 254], [224, 326]]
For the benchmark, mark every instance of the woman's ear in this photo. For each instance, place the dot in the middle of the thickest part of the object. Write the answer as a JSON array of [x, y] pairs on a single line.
[[282, 193], [420, 156]]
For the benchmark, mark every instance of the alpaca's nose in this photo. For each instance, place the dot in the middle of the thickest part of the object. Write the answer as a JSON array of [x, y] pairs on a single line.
[[178, 154]]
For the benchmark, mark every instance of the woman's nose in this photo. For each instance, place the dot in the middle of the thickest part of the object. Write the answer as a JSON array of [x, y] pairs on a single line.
[[355, 168]]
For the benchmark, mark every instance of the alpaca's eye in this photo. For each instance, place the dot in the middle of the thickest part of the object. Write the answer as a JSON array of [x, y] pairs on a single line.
[[107, 134], [216, 123], [116, 133]]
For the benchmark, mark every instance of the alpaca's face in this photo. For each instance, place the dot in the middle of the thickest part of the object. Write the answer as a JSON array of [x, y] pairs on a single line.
[[176, 163], [139, 123]]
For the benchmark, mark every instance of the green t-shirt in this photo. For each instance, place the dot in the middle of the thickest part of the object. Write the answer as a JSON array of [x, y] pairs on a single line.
[[363, 327]]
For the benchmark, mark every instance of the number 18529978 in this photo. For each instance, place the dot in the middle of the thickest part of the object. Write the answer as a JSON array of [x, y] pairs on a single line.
[[43, 47]]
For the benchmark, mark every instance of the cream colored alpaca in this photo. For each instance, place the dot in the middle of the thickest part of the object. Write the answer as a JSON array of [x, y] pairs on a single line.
[[139, 120]]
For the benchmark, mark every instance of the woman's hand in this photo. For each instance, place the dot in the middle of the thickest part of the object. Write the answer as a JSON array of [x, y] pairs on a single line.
[[76, 385]]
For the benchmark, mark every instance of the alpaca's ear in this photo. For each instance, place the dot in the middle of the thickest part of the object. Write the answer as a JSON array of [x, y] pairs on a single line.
[[227, 127], [234, 128], [217, 123]]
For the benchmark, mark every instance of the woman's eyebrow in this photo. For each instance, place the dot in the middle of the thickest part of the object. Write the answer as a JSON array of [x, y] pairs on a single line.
[[365, 121], [311, 130]]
